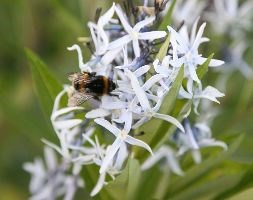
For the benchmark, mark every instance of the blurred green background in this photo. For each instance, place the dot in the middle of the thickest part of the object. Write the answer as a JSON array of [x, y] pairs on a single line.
[[48, 27]]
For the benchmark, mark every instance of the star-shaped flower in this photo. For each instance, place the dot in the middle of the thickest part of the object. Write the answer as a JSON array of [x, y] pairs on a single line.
[[122, 136], [147, 111], [171, 160], [134, 34], [194, 138], [185, 49], [196, 93]]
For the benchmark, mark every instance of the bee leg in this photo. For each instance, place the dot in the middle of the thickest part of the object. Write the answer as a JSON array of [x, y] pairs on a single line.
[[93, 73], [112, 95]]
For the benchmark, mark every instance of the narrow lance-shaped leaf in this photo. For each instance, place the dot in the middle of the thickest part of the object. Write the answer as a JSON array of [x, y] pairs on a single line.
[[244, 183], [202, 69], [125, 185], [46, 85], [206, 189], [163, 50], [168, 17]]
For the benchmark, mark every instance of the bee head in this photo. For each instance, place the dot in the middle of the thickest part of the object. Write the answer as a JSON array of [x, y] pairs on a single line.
[[112, 85]]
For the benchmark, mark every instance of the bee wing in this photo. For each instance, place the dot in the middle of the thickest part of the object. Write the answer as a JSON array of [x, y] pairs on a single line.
[[78, 98]]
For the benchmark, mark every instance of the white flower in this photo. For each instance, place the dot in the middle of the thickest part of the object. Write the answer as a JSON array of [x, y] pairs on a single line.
[[185, 50], [165, 68], [52, 181], [98, 34], [121, 138], [196, 93], [134, 34], [148, 112], [187, 11], [195, 138], [63, 124], [235, 60], [171, 160], [230, 18]]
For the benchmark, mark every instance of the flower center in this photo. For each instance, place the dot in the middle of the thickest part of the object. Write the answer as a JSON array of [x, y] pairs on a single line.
[[123, 134], [134, 35], [149, 113]]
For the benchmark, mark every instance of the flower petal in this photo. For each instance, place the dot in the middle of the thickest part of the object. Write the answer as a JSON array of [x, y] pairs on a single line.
[[66, 124], [211, 93], [50, 158], [136, 48], [109, 56], [57, 101], [140, 93], [151, 161], [105, 18], [152, 80], [99, 185], [193, 73], [152, 35], [119, 42], [133, 141], [110, 154], [143, 23], [64, 111], [82, 160], [123, 19], [102, 122], [198, 37], [96, 113], [216, 63], [169, 119], [212, 143], [142, 70]]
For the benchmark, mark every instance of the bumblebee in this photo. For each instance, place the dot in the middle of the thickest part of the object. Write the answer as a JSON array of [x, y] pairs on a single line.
[[88, 85]]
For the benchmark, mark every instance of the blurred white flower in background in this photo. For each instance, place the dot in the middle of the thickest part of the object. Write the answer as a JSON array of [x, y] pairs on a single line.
[[188, 11], [195, 138], [52, 180], [230, 17]]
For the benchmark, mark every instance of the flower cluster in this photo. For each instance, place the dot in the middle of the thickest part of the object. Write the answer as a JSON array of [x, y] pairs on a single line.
[[123, 49]]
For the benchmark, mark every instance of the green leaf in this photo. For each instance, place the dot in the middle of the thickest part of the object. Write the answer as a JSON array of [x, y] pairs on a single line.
[[202, 69], [209, 188], [46, 85], [247, 194], [193, 175], [245, 182], [125, 186], [163, 50], [150, 184], [90, 174], [168, 17]]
